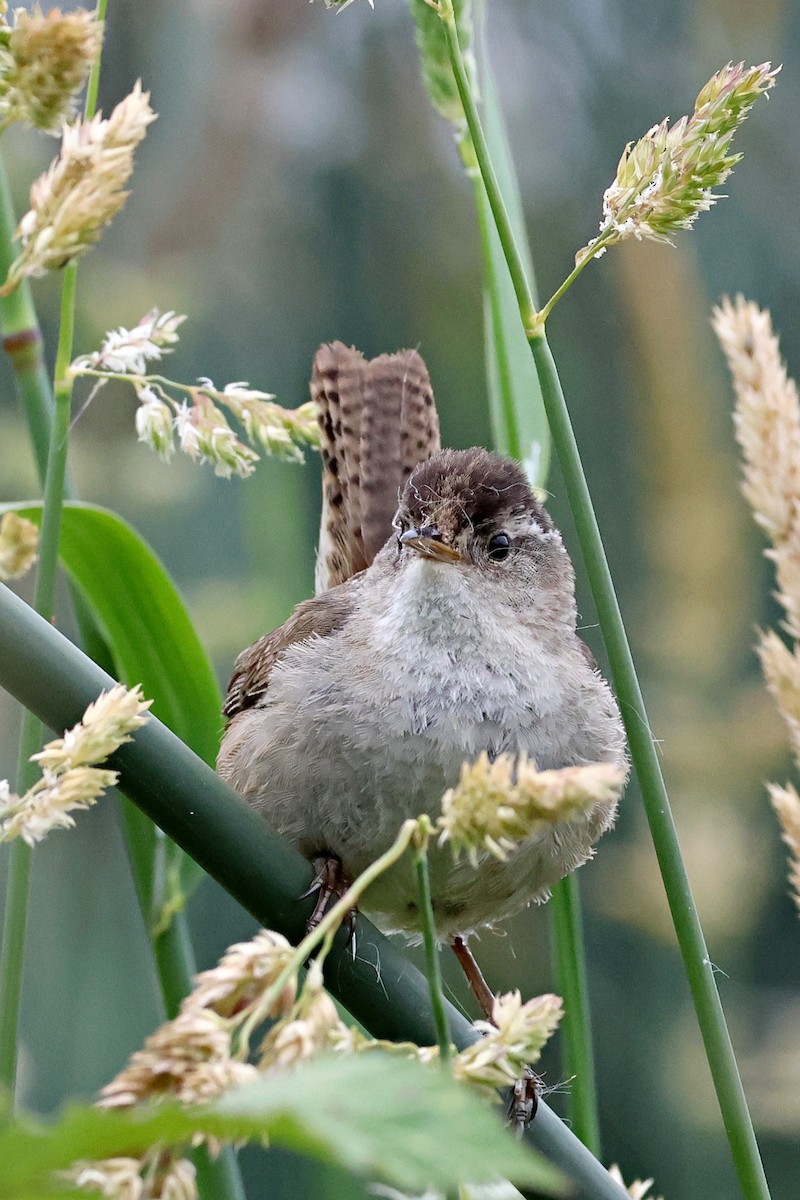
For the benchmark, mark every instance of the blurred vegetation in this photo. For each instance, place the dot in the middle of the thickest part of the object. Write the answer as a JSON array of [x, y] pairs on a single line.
[[298, 188]]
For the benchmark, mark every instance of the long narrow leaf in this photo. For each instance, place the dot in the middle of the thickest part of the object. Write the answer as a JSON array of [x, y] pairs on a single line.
[[153, 643], [372, 1114]]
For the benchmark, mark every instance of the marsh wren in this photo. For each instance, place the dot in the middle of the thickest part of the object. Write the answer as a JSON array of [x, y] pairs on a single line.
[[444, 625]]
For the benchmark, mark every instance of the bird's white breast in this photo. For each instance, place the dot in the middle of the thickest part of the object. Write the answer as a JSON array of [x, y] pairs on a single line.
[[370, 725]]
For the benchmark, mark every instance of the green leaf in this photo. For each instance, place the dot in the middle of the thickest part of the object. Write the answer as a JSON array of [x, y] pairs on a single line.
[[154, 643], [373, 1114], [519, 422]]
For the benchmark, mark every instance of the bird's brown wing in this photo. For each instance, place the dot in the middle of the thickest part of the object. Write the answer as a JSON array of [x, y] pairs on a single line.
[[378, 420], [317, 617]]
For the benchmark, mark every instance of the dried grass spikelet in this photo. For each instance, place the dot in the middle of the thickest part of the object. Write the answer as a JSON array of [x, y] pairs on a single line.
[[19, 540], [157, 1176], [767, 424], [82, 190], [786, 803], [245, 971], [497, 804], [45, 59], [128, 351], [512, 1042], [312, 1026], [767, 421], [174, 1062], [106, 725]]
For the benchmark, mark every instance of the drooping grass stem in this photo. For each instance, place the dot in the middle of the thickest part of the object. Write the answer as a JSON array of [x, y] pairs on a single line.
[[699, 968]]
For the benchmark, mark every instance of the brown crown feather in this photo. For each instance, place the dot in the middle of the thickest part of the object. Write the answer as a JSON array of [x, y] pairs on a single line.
[[475, 487]]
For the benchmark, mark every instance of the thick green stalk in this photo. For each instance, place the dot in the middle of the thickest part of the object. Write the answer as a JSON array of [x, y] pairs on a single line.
[[15, 916], [699, 969], [576, 1032], [434, 965], [380, 987]]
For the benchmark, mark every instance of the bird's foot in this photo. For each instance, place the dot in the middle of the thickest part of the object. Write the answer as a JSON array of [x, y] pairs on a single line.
[[524, 1098], [524, 1101], [331, 883]]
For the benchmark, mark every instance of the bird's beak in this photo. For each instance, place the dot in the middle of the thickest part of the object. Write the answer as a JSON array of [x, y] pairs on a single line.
[[427, 541]]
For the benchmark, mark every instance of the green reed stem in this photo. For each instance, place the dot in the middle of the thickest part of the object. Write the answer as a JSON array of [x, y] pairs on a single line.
[[576, 1031], [18, 889], [699, 969], [434, 966], [505, 229], [508, 419]]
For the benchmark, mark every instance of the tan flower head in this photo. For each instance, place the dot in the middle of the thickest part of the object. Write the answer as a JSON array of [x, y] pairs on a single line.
[[50, 803], [497, 804], [116, 1178], [666, 179], [311, 1027], [128, 351], [786, 803], [156, 1176], [174, 1061], [279, 430], [638, 1190], [106, 725], [155, 423], [205, 435], [82, 190], [69, 781], [19, 539], [767, 423], [244, 973], [512, 1042], [44, 62]]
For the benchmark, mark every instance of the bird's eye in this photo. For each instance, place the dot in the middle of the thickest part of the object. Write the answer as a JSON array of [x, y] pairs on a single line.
[[499, 546]]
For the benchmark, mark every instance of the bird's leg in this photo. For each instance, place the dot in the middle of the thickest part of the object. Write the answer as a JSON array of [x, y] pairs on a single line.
[[331, 883], [480, 988], [524, 1098]]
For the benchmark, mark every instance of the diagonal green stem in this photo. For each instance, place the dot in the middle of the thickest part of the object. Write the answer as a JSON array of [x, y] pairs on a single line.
[[699, 969]]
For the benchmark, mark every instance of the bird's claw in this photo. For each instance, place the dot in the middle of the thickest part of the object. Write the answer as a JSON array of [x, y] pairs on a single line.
[[524, 1101], [331, 884]]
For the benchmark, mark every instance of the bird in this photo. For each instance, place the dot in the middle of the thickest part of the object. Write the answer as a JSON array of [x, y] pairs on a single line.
[[443, 627]]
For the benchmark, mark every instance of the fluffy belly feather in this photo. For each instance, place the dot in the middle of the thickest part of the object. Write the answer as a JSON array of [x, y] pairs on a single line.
[[335, 774]]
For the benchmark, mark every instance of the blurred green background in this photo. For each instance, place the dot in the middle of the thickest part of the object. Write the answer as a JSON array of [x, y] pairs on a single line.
[[298, 188]]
